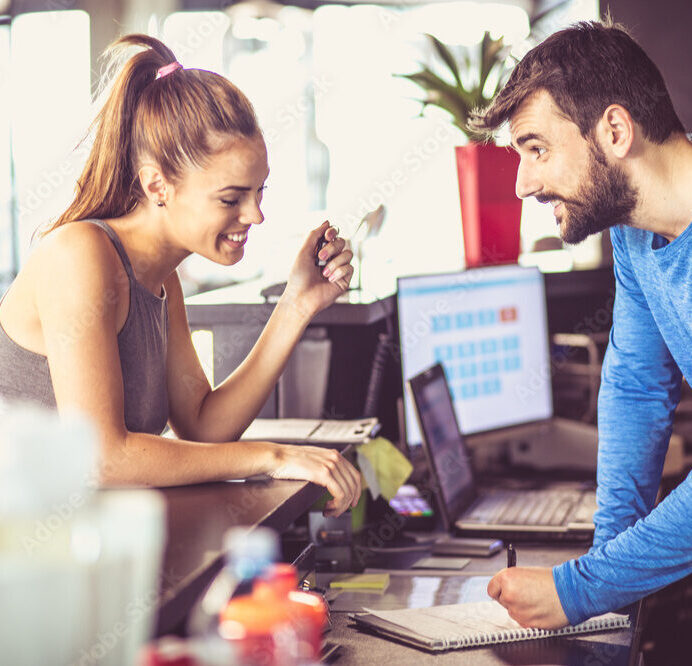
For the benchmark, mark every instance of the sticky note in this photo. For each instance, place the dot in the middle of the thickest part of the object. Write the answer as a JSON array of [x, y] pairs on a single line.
[[361, 582], [384, 467]]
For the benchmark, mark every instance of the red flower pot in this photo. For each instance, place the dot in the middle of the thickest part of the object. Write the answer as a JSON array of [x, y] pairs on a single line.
[[490, 209]]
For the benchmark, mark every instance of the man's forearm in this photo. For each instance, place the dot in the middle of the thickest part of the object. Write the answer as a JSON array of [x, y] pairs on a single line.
[[654, 552], [634, 431]]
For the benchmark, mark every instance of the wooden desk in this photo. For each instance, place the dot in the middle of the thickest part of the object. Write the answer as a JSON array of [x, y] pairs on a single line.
[[197, 518], [614, 648]]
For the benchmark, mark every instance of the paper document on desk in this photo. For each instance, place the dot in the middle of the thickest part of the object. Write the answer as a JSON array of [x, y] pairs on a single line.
[[318, 431]]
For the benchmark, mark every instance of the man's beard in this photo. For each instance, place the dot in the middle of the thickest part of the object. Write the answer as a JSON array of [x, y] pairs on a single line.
[[606, 199]]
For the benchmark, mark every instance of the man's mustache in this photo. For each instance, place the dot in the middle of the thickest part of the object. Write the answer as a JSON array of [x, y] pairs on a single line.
[[548, 198]]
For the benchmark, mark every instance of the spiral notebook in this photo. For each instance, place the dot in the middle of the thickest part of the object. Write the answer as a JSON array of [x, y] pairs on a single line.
[[468, 625]]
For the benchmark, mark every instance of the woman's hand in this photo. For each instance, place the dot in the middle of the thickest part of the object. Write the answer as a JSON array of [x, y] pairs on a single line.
[[313, 288], [325, 467]]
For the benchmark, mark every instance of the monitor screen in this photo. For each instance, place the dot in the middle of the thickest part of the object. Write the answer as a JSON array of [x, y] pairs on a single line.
[[488, 328], [447, 454]]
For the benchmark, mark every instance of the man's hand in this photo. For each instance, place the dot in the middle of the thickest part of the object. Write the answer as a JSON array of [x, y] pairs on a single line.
[[530, 596]]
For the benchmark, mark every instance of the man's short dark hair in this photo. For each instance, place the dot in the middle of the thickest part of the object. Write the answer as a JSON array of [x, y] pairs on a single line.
[[585, 68]]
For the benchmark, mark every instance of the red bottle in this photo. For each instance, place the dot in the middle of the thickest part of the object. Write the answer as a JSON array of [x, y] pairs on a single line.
[[276, 625]]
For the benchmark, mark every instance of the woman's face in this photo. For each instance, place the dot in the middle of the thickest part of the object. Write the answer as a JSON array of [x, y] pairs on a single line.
[[213, 209]]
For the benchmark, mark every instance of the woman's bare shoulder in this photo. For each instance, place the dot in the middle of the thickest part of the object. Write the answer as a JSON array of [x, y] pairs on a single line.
[[74, 262], [77, 267], [81, 250], [75, 237]]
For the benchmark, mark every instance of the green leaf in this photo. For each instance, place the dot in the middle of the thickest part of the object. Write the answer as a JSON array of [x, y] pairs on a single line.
[[458, 99], [491, 56], [453, 99], [431, 82], [446, 56]]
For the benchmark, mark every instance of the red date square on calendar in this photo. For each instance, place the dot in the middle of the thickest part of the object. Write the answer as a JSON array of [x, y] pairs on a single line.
[[508, 314]]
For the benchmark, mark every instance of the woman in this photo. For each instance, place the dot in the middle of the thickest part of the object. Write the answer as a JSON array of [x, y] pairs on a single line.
[[96, 321]]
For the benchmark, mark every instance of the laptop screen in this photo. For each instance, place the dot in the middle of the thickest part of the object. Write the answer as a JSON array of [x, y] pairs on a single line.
[[488, 328], [448, 457]]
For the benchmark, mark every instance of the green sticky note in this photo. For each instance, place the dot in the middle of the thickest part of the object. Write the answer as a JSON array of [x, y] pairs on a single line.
[[361, 582], [384, 467]]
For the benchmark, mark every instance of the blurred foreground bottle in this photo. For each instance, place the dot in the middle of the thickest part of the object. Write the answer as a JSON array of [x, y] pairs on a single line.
[[277, 624], [247, 553]]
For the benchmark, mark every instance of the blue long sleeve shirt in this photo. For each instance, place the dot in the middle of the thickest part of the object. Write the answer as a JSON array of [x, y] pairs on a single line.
[[638, 550]]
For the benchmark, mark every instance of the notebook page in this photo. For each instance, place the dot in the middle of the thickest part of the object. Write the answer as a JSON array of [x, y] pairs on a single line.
[[477, 620], [444, 622]]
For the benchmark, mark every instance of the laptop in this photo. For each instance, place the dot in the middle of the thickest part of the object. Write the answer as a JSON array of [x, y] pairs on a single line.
[[555, 511]]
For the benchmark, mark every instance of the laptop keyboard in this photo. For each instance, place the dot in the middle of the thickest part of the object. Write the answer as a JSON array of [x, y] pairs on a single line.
[[586, 509], [526, 508]]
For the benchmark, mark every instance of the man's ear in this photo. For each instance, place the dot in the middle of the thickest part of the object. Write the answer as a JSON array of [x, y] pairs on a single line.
[[153, 182], [617, 130]]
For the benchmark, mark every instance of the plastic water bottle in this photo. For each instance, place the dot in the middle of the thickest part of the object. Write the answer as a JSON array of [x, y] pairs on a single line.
[[247, 554], [277, 624]]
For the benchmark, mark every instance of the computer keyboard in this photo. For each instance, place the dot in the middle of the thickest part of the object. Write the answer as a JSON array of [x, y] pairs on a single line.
[[527, 508]]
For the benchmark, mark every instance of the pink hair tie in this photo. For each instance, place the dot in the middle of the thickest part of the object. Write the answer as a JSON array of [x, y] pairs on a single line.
[[168, 69]]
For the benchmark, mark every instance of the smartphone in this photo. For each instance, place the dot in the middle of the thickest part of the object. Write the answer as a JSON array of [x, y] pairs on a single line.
[[409, 503]]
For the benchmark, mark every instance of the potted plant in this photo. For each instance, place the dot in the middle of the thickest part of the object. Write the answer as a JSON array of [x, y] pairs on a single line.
[[490, 210]]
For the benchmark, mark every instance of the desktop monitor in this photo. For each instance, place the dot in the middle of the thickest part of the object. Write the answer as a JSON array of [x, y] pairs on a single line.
[[488, 328]]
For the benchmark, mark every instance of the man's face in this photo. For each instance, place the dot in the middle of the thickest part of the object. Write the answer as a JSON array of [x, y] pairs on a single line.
[[559, 166]]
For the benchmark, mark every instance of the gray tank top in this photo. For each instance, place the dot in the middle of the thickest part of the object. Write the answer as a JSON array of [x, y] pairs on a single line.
[[142, 342]]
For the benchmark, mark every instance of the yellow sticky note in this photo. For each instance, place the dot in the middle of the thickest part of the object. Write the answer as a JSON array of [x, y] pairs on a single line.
[[386, 463], [361, 582]]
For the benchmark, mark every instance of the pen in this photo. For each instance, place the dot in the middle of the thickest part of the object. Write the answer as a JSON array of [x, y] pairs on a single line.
[[511, 556]]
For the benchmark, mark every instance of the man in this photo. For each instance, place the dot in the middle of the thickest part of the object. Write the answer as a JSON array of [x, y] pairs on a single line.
[[592, 121]]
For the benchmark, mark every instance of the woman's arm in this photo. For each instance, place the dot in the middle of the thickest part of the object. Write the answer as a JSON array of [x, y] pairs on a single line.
[[200, 413], [77, 298]]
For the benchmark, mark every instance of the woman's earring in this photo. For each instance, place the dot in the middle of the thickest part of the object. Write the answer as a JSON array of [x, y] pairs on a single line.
[[160, 203]]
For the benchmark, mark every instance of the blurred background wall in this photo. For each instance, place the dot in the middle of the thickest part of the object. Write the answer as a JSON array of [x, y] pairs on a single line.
[[663, 30], [345, 135]]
